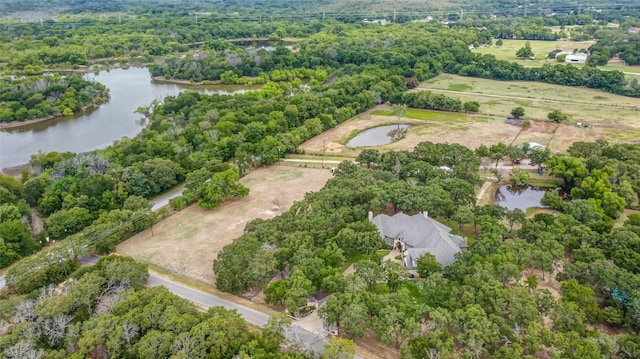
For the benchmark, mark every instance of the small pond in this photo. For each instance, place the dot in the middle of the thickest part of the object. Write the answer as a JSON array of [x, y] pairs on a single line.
[[521, 196], [378, 136]]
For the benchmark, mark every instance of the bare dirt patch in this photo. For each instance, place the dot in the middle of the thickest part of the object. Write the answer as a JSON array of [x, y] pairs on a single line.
[[188, 242]]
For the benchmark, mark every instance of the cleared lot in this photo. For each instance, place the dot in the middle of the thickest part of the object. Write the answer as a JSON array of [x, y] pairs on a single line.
[[188, 242]]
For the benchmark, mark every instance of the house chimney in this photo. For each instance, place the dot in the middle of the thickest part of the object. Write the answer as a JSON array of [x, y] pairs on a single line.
[[425, 214], [370, 216]]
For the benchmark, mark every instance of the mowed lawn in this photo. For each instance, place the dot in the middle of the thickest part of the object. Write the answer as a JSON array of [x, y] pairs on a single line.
[[187, 242], [614, 118]]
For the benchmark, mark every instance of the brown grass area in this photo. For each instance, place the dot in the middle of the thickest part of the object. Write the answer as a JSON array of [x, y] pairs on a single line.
[[470, 133], [188, 242], [465, 129], [614, 118]]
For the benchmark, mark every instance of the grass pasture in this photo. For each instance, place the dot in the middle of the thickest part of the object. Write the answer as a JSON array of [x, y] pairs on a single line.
[[187, 242], [540, 49], [614, 118]]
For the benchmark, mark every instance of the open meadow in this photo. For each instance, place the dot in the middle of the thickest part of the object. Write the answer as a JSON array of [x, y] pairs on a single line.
[[614, 118], [540, 49], [187, 242]]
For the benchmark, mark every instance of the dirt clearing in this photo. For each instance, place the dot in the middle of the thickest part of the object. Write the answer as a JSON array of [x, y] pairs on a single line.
[[188, 242]]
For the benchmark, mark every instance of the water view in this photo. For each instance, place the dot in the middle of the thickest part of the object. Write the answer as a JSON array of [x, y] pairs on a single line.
[[520, 196], [378, 136], [97, 127]]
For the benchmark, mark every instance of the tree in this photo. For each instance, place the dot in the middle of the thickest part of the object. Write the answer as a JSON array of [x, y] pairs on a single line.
[[66, 222], [298, 289], [517, 112], [393, 326], [275, 292], [394, 273], [427, 264], [398, 111], [557, 116], [338, 348], [355, 320], [583, 296], [519, 176], [369, 271], [570, 169], [369, 157], [222, 187], [499, 42], [525, 52], [515, 216], [471, 106]]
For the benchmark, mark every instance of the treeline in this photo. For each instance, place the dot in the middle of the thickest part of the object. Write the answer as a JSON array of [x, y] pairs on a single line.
[[15, 223], [30, 46], [105, 311], [625, 46], [487, 66], [433, 101], [42, 96], [401, 50]]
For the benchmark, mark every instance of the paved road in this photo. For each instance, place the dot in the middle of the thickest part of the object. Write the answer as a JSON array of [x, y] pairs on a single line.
[[208, 300], [305, 339], [164, 199]]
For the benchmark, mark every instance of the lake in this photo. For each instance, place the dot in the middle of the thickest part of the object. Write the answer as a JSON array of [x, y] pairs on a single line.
[[97, 127], [520, 196], [377, 136]]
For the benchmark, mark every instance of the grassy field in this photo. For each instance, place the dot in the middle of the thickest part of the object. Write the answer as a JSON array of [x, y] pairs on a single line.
[[614, 118], [187, 242], [541, 49]]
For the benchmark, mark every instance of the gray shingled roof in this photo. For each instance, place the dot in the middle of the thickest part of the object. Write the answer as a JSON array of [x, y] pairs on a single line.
[[422, 235]]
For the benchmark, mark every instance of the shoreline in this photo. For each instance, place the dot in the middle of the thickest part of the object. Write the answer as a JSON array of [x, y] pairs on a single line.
[[185, 82], [14, 171], [14, 124]]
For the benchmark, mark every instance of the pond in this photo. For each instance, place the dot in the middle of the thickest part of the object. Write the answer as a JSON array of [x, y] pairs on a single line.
[[520, 196], [97, 127], [377, 136]]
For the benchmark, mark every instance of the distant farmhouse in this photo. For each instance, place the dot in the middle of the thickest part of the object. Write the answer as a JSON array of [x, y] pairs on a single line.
[[416, 235]]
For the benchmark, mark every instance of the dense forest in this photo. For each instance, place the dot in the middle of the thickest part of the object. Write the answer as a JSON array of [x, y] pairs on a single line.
[[481, 306], [105, 311], [42, 96], [401, 49]]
